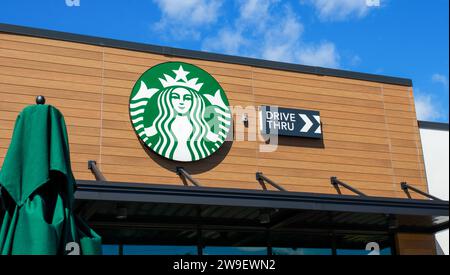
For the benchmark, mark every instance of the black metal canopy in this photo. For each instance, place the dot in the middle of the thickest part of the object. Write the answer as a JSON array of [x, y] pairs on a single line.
[[133, 205]]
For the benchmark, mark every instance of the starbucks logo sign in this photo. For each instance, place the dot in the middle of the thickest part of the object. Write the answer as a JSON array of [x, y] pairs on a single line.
[[180, 111]]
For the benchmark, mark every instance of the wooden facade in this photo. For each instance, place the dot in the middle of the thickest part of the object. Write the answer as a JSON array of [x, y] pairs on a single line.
[[415, 244], [371, 137]]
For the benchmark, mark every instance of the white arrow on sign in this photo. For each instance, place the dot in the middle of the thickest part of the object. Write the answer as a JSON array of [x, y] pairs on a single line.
[[308, 123], [318, 130]]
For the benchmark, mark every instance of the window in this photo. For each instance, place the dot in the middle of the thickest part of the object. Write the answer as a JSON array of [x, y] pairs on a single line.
[[234, 242], [357, 244], [110, 249], [300, 243], [234, 250], [159, 250], [165, 241], [301, 251]]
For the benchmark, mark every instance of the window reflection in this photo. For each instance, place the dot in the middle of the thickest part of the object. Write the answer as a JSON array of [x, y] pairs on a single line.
[[361, 244], [228, 242], [301, 243], [301, 251], [230, 250], [110, 249], [159, 250], [384, 251]]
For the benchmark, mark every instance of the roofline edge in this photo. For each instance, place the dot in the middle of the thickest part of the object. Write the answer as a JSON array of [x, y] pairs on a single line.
[[430, 125], [142, 47]]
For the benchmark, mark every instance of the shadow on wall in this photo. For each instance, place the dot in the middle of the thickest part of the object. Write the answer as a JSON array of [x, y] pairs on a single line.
[[195, 167], [204, 165], [299, 142]]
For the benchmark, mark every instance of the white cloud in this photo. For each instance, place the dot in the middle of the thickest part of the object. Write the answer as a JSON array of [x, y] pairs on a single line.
[[426, 109], [254, 13], [227, 41], [190, 11], [179, 19], [335, 10], [261, 31], [271, 30], [282, 38], [439, 78], [355, 60], [322, 55]]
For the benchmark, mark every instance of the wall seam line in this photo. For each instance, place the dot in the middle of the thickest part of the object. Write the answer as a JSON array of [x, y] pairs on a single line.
[[387, 129], [101, 107]]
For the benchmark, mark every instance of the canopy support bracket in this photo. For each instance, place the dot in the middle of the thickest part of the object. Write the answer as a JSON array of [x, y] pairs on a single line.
[[92, 165], [263, 179], [186, 176], [406, 187], [335, 182]]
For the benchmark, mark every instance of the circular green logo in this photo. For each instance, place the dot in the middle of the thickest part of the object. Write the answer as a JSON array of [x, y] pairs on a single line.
[[180, 111]]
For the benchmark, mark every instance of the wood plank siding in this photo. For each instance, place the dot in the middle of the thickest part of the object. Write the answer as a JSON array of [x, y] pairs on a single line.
[[371, 137]]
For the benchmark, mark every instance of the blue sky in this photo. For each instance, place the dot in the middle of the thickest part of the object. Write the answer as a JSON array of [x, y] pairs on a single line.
[[397, 37]]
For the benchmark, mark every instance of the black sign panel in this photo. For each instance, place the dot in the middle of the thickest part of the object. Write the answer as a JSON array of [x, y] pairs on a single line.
[[290, 122]]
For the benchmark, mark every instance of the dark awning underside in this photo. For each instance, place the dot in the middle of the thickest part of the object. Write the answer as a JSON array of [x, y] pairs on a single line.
[[151, 206]]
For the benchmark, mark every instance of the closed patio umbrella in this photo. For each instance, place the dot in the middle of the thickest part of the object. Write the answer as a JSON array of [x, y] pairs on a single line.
[[37, 190]]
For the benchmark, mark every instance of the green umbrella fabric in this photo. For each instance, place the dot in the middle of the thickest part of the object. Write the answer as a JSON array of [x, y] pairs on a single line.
[[38, 190]]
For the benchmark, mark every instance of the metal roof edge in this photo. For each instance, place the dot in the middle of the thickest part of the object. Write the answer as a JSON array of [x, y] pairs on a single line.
[[433, 125], [107, 42]]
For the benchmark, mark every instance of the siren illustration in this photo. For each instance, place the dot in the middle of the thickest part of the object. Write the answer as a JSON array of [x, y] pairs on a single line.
[[179, 118]]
